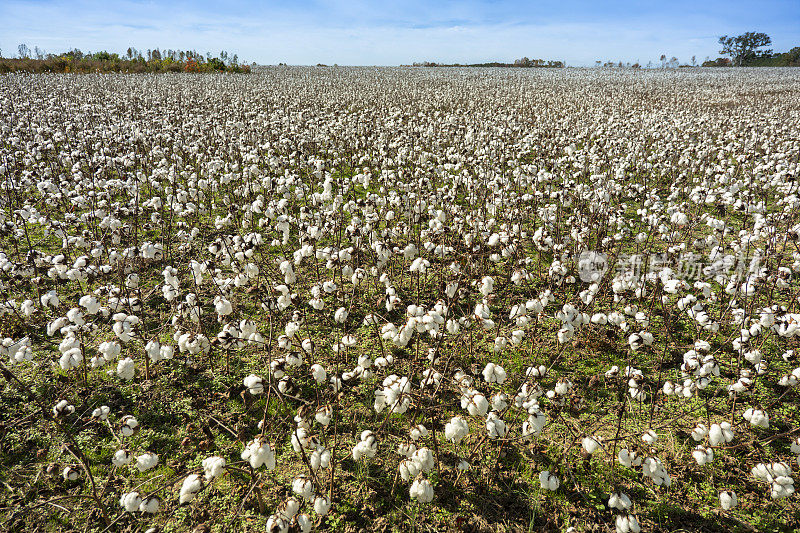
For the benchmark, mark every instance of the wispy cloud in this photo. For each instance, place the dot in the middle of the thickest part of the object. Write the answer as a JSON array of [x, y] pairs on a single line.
[[393, 32]]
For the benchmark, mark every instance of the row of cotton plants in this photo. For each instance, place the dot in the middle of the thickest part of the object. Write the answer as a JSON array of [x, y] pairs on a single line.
[[270, 288]]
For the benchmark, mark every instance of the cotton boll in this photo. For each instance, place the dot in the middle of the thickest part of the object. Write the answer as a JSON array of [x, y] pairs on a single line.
[[121, 458], [627, 524], [146, 461], [590, 444], [130, 501], [728, 500], [126, 369], [70, 474], [548, 481], [620, 501], [277, 524], [456, 429], [720, 434], [129, 426], [303, 487], [254, 384], [101, 413], [650, 436], [190, 487], [318, 373], [213, 467], [150, 505], [322, 505], [259, 454], [421, 490]]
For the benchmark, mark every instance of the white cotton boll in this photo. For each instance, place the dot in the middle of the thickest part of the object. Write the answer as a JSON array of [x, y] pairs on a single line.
[[101, 413], [720, 434], [129, 426], [422, 490], [259, 454], [728, 500], [70, 474], [476, 405], [304, 523], [254, 384], [703, 455], [304, 488], [699, 432], [590, 444], [456, 429], [493, 373], [149, 505], [130, 501], [650, 436], [190, 487], [620, 501], [63, 408], [548, 481], [277, 524], [126, 369], [318, 373], [628, 458], [213, 467], [627, 524], [323, 415], [146, 461], [495, 427], [340, 315], [322, 505], [121, 458]]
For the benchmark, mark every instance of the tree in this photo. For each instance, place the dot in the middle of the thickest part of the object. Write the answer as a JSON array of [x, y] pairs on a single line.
[[745, 47], [24, 51], [694, 61]]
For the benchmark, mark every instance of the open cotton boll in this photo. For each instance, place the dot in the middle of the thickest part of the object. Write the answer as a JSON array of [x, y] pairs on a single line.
[[493, 373], [146, 461], [101, 413], [318, 373], [757, 417], [650, 436], [703, 455], [322, 505], [254, 384], [590, 444], [126, 369], [720, 434], [130, 501], [627, 524], [259, 454], [303, 487], [456, 429], [63, 408], [548, 481], [150, 505], [277, 524], [728, 500], [129, 426], [421, 490], [70, 474], [121, 458], [190, 487], [620, 501], [213, 467]]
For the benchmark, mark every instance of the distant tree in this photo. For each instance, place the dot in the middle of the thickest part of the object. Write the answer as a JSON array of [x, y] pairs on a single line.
[[663, 60], [745, 47], [694, 61], [24, 51]]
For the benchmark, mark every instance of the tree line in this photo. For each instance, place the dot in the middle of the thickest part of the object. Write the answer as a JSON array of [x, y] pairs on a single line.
[[133, 60]]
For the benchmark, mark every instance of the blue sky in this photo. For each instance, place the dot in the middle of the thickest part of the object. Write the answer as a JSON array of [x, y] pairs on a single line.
[[361, 32]]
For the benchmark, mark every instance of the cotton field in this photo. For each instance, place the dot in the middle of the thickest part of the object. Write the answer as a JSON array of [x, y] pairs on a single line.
[[375, 299]]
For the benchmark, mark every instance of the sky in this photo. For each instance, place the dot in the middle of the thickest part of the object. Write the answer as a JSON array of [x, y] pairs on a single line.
[[363, 32]]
